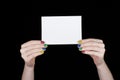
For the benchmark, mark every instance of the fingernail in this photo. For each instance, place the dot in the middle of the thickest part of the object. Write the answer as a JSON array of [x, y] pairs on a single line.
[[80, 49], [80, 42], [44, 49], [83, 51], [45, 45], [78, 45], [42, 42]]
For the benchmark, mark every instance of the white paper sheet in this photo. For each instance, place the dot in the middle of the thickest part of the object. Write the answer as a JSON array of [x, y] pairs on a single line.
[[59, 30]]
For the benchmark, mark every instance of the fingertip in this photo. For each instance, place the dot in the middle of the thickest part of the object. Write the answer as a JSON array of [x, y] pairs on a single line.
[[78, 45], [80, 49], [42, 51], [42, 42], [83, 51], [80, 42], [45, 45]]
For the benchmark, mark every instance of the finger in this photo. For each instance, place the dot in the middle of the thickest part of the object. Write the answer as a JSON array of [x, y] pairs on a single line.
[[92, 40], [33, 51], [91, 53], [24, 57], [33, 56], [92, 48], [93, 44], [26, 49], [32, 42]]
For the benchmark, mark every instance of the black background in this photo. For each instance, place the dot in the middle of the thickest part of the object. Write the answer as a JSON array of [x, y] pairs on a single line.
[[65, 61]]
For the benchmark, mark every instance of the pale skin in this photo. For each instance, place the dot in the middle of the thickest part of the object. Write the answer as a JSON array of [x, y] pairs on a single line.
[[95, 48]]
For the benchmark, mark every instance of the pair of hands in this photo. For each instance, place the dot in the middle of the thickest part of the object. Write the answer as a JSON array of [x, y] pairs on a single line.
[[93, 47]]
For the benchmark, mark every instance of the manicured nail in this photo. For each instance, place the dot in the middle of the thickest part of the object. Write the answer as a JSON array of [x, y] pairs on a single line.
[[83, 51], [44, 49], [78, 45], [45, 45], [80, 42], [42, 42], [80, 49]]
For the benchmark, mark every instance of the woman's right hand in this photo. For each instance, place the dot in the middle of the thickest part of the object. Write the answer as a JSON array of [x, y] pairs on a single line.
[[30, 50]]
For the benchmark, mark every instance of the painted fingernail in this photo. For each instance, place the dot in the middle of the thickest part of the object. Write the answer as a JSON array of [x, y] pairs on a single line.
[[78, 45], [80, 49], [44, 49], [80, 42], [83, 51], [42, 42], [45, 45]]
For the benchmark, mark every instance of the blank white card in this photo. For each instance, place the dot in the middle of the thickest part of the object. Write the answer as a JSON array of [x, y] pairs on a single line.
[[60, 30]]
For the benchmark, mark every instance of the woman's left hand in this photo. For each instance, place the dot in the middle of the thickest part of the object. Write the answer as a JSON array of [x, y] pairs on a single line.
[[95, 48]]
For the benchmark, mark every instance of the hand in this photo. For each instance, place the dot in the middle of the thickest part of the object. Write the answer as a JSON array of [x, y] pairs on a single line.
[[95, 48], [30, 50]]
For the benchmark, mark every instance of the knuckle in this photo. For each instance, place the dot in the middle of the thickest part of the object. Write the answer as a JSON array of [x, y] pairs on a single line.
[[103, 45], [31, 41], [23, 56], [102, 50], [22, 45], [21, 50], [101, 40]]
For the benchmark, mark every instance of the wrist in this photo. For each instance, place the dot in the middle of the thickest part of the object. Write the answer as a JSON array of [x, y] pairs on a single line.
[[29, 66], [102, 64]]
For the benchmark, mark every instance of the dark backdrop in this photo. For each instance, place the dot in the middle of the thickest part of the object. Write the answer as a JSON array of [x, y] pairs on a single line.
[[65, 61]]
